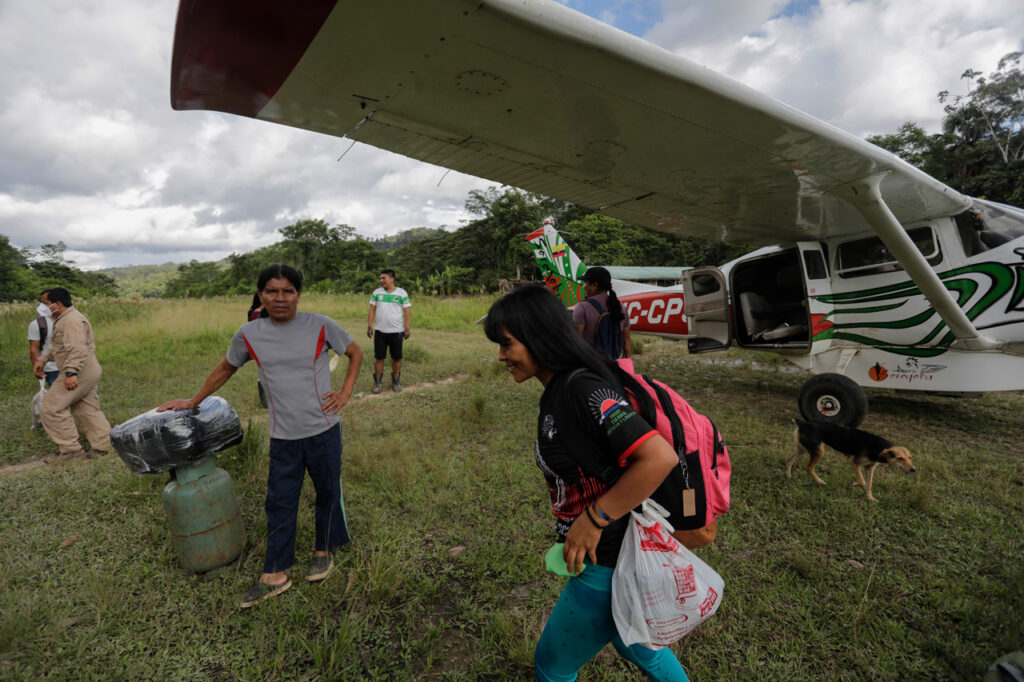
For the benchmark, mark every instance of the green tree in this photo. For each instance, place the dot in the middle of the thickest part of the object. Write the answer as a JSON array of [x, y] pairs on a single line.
[[17, 281], [147, 281], [244, 269], [311, 247], [915, 146], [196, 279], [493, 246], [418, 259], [53, 269], [413, 234], [95, 283], [507, 217], [323, 253], [980, 150], [993, 108], [602, 240]]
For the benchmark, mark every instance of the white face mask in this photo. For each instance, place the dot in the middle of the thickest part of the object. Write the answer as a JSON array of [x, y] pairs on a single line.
[[43, 309]]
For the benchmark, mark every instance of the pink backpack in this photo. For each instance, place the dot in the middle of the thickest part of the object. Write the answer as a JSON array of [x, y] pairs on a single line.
[[697, 491]]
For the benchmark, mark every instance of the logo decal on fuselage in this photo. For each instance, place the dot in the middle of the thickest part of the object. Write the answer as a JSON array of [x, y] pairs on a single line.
[[909, 370]]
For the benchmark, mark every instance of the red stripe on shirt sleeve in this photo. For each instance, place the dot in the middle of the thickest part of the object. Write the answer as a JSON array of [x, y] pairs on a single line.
[[625, 455], [251, 351], [320, 342]]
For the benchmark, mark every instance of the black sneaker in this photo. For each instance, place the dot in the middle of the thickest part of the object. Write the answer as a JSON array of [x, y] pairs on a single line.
[[320, 567], [261, 591]]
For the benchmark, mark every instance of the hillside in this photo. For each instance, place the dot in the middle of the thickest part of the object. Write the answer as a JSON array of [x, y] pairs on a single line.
[[147, 281]]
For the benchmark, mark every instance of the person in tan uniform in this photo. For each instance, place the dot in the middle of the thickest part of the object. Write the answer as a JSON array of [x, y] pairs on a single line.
[[74, 392]]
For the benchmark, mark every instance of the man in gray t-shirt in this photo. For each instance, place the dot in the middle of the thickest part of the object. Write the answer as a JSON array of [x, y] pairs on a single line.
[[294, 367], [290, 348]]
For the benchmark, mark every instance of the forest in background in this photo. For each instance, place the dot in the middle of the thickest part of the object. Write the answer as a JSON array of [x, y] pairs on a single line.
[[979, 152]]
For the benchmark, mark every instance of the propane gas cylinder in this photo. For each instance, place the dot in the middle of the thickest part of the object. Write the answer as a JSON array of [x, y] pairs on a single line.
[[203, 515]]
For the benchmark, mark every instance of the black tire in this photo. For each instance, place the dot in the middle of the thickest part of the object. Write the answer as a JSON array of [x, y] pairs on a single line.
[[834, 399]]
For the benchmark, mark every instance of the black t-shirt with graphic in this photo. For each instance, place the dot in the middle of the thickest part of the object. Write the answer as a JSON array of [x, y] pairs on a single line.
[[586, 410]]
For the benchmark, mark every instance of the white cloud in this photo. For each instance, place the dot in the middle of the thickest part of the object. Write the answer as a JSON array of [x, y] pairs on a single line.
[[865, 66]]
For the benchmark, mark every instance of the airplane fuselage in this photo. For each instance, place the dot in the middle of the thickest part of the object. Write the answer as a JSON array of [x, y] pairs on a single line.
[[846, 305], [659, 313]]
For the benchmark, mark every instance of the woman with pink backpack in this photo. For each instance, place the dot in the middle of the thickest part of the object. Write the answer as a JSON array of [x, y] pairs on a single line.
[[583, 394]]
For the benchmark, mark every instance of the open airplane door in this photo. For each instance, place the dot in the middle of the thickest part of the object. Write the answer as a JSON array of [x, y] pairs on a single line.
[[814, 263], [707, 311]]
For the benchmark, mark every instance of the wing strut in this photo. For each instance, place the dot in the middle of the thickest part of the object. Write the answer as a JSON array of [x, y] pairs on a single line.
[[867, 198]]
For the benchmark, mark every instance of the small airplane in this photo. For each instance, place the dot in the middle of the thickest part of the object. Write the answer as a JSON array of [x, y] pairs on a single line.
[[873, 273], [653, 310]]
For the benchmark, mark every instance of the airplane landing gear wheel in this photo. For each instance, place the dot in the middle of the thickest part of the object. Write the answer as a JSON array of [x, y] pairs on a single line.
[[833, 398]]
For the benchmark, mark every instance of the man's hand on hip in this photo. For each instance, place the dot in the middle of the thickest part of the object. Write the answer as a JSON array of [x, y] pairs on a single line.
[[334, 401]]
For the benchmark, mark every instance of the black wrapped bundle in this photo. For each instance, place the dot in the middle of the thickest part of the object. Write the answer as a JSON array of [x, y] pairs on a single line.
[[160, 441]]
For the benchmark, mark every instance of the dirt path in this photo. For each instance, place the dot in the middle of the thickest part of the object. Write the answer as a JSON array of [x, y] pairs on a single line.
[[13, 469], [409, 389]]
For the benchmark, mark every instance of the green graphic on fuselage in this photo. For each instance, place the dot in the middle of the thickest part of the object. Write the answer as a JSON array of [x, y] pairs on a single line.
[[976, 288]]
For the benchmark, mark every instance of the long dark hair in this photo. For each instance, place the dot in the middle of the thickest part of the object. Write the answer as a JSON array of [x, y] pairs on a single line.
[[535, 317], [540, 322], [257, 303], [603, 279]]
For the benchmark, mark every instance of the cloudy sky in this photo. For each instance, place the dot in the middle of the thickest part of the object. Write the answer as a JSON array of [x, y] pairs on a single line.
[[92, 154]]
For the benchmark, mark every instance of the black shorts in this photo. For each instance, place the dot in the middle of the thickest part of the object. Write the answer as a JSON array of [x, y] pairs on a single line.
[[387, 341]]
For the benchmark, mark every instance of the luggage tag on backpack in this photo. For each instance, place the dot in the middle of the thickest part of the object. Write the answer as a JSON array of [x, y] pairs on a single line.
[[689, 502], [689, 494]]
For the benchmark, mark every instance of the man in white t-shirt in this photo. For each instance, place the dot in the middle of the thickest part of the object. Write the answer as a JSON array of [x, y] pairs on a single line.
[[388, 326], [40, 336]]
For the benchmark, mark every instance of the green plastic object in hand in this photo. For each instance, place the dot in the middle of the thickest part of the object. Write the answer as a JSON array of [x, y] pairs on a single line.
[[555, 562]]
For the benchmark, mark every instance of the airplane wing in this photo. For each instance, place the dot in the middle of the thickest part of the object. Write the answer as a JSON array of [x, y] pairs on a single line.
[[535, 95]]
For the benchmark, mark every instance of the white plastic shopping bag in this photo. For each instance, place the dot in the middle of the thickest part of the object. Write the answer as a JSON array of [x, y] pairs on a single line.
[[660, 590], [37, 404]]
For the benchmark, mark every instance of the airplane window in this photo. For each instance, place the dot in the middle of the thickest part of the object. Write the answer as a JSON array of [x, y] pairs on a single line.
[[987, 225], [871, 256], [704, 285], [814, 265]]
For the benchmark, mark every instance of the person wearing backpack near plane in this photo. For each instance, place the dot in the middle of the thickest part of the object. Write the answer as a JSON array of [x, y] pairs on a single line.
[[40, 336], [600, 317], [584, 394]]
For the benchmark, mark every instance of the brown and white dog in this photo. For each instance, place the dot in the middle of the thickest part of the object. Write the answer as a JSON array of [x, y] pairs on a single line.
[[861, 448]]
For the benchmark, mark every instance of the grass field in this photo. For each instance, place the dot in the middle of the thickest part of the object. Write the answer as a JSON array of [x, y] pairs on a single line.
[[450, 520]]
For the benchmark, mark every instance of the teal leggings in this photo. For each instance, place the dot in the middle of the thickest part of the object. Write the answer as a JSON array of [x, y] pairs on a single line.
[[582, 624]]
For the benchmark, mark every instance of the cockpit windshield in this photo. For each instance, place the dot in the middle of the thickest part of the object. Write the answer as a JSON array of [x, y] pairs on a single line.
[[987, 225]]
